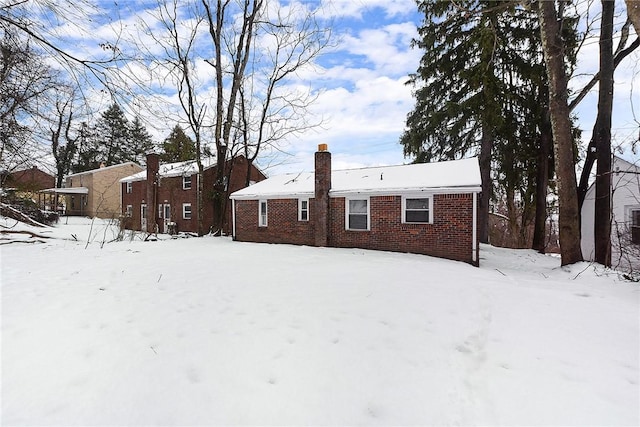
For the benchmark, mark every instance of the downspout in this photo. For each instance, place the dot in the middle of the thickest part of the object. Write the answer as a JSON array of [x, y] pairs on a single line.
[[233, 219], [474, 244]]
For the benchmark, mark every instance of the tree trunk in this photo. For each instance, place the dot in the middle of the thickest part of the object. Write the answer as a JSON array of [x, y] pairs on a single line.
[[542, 184], [569, 216], [486, 146], [602, 136]]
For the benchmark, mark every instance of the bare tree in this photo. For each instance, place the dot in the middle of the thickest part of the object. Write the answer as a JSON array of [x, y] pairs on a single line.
[[269, 111], [232, 26], [24, 80], [63, 139], [178, 42], [569, 215]]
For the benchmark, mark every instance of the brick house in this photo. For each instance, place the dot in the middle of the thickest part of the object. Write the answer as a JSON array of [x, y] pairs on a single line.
[[174, 194], [428, 208], [29, 180]]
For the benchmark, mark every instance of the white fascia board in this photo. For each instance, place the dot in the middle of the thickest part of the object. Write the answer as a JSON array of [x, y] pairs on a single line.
[[411, 191], [302, 195]]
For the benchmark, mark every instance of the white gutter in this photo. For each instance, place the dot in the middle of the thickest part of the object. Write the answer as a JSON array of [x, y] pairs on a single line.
[[474, 244]]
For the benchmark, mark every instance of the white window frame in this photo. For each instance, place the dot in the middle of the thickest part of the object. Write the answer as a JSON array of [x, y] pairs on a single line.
[[128, 211], [417, 196], [263, 218], [159, 210], [301, 210], [129, 187], [186, 182], [346, 213], [186, 214]]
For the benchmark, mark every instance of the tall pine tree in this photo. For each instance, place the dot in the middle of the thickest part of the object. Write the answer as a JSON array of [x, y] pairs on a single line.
[[178, 147]]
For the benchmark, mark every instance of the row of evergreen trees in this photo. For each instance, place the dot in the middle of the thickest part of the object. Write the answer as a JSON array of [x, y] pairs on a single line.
[[482, 89], [114, 139]]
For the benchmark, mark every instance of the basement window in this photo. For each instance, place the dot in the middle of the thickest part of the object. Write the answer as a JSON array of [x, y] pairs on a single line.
[[129, 212], [186, 182], [417, 210], [262, 213], [303, 209], [357, 215], [635, 226], [186, 211]]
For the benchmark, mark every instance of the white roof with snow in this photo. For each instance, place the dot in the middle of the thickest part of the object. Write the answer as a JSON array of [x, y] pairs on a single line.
[[190, 167], [453, 176]]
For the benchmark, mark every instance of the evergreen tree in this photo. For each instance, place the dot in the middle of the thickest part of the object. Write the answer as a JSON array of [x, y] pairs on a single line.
[[140, 141], [111, 136], [178, 147], [113, 140], [482, 90]]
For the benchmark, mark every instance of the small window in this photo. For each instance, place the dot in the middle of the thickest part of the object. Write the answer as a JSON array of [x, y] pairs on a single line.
[[357, 214], [635, 226], [129, 212], [262, 213], [186, 182], [186, 211], [129, 187], [160, 211], [303, 210], [417, 210]]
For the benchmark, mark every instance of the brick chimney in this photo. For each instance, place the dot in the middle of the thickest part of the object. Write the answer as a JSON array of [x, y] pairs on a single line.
[[153, 166], [322, 187]]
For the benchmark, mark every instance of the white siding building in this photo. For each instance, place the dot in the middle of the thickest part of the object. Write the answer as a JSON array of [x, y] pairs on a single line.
[[625, 211]]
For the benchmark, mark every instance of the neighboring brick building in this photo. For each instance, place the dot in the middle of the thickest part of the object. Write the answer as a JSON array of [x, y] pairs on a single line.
[[428, 208], [96, 193], [174, 194], [29, 180]]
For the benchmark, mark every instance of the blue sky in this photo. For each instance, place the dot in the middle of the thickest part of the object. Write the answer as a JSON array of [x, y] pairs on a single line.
[[360, 82]]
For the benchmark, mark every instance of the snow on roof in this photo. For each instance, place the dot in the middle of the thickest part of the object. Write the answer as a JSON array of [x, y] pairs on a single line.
[[68, 190], [103, 169], [166, 170], [454, 175]]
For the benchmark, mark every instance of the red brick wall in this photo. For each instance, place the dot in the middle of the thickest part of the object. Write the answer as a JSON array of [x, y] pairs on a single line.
[[282, 223], [450, 236], [170, 192], [32, 179]]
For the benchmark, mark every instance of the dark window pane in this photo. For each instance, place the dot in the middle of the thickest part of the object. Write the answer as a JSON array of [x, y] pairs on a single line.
[[417, 216], [303, 215], [418, 204], [357, 222]]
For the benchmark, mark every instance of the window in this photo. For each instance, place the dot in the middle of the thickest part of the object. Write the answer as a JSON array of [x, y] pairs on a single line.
[[262, 213], [635, 226], [129, 187], [186, 211], [186, 182], [303, 209], [160, 211], [357, 214], [129, 212], [416, 210]]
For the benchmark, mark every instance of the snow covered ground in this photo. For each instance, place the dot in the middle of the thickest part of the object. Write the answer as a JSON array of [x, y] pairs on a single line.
[[207, 331]]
